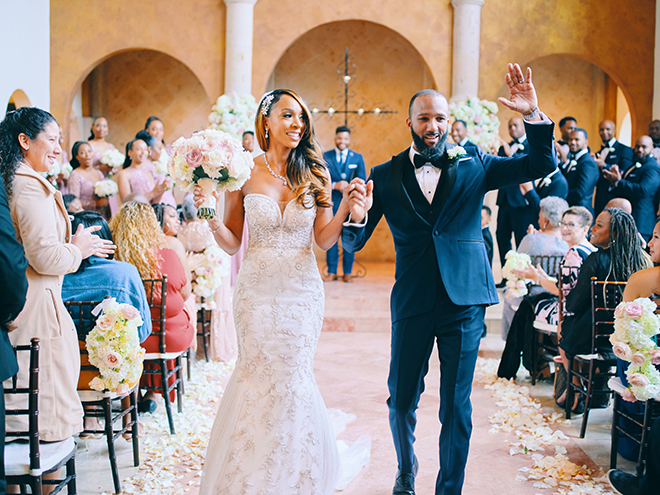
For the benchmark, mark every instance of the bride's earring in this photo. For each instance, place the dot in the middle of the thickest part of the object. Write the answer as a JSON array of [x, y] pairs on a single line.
[[266, 133]]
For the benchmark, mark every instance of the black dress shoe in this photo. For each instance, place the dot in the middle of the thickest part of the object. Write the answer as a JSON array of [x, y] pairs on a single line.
[[405, 482], [501, 285], [623, 483]]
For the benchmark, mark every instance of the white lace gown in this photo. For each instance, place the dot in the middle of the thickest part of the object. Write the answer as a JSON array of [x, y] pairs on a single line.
[[272, 434]]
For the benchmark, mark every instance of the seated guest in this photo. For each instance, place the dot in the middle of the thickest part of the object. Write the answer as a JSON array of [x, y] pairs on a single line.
[[619, 255], [612, 153], [544, 242], [141, 242], [580, 170], [638, 184], [168, 219], [575, 223], [72, 203]]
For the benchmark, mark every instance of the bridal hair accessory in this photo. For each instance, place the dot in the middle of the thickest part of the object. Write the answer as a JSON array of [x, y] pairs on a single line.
[[268, 99]]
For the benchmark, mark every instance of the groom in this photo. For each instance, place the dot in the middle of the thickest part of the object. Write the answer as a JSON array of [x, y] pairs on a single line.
[[431, 196]]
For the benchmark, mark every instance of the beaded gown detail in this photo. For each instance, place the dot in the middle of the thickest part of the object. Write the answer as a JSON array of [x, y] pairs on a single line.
[[272, 434]]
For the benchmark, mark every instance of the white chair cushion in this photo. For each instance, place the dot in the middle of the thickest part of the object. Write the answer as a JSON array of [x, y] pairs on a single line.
[[546, 327], [615, 384], [168, 355], [17, 456]]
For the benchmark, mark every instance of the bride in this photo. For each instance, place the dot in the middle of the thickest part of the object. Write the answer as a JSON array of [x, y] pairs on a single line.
[[272, 434]]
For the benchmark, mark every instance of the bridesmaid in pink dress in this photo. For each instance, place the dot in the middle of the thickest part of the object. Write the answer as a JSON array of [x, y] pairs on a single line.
[[83, 178], [99, 145], [155, 150], [138, 174]]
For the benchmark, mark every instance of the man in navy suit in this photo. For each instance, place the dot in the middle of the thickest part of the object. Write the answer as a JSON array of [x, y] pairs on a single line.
[[431, 195], [14, 291], [344, 165], [612, 152], [459, 134], [638, 185], [553, 184], [580, 171]]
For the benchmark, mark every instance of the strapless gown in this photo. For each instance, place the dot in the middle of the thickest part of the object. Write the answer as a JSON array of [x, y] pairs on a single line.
[[272, 433]]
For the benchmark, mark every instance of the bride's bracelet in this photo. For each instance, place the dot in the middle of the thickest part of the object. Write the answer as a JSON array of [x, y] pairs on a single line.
[[213, 231]]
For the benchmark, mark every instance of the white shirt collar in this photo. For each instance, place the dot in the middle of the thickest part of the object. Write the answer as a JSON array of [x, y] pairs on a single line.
[[463, 141], [611, 142], [580, 153]]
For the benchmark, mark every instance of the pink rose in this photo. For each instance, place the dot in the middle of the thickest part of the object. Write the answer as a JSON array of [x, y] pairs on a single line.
[[627, 395], [634, 310], [655, 356], [194, 157], [621, 350], [638, 380], [619, 311], [105, 323], [637, 359], [129, 312], [206, 146], [112, 359], [122, 388]]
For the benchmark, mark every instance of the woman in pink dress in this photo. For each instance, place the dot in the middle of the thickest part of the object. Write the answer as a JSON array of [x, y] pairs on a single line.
[[83, 178], [98, 143], [138, 174]]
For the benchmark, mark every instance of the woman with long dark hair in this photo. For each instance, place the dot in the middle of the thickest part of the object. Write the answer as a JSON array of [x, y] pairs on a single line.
[[272, 431], [84, 176], [137, 174]]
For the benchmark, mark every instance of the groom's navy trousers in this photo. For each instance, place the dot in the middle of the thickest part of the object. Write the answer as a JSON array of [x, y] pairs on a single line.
[[443, 283]]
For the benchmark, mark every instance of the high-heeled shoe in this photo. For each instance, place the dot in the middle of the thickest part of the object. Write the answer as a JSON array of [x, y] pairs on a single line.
[[579, 407]]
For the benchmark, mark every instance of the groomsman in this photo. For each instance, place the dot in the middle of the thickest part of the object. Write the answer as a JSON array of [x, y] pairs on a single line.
[[566, 125], [638, 185], [612, 152], [513, 215], [248, 141], [459, 134], [344, 165], [654, 133], [580, 171], [553, 184]]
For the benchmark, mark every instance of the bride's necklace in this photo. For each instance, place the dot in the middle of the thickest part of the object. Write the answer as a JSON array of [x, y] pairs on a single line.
[[283, 179]]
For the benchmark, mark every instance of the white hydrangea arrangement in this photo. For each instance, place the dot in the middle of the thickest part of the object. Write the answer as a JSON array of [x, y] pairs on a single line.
[[105, 188], [214, 266], [635, 325], [516, 287], [233, 114], [114, 159], [161, 163], [481, 119], [114, 347]]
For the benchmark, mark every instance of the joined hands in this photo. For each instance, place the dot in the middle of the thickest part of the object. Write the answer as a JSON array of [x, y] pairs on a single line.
[[360, 198]]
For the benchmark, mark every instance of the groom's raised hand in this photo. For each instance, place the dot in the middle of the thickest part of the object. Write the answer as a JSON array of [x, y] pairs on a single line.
[[360, 198], [522, 93]]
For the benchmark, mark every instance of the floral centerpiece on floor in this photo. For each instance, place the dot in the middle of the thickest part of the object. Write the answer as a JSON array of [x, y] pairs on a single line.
[[233, 114], [105, 188], [481, 119], [114, 159], [212, 159], [214, 266], [516, 287], [635, 325], [114, 347]]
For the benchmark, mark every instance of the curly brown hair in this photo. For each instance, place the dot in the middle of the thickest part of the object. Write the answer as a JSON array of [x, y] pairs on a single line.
[[138, 236]]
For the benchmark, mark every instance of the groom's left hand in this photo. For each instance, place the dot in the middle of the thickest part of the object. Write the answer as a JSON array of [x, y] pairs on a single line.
[[523, 97]]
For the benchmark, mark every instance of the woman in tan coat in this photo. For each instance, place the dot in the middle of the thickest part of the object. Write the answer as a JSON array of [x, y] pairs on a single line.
[[29, 145]]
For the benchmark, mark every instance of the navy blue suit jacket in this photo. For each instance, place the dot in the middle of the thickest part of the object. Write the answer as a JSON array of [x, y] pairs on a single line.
[[622, 156], [512, 195], [639, 186], [451, 250], [557, 186], [352, 168], [582, 180]]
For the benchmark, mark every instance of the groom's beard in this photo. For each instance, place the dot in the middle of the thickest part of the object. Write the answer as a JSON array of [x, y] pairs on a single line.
[[429, 153]]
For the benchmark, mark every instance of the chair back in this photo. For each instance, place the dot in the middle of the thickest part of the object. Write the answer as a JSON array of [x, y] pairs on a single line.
[[549, 262], [605, 297], [84, 320], [32, 411], [156, 289]]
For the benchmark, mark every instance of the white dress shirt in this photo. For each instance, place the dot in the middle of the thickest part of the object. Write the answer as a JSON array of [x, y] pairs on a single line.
[[341, 155], [427, 176]]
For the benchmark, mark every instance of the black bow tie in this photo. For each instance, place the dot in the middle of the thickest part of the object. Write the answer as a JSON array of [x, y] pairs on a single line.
[[419, 161]]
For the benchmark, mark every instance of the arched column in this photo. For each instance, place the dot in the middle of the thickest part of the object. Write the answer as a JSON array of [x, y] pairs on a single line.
[[465, 54], [238, 56]]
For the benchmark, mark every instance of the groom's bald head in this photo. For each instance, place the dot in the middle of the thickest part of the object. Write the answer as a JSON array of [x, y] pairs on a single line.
[[426, 93]]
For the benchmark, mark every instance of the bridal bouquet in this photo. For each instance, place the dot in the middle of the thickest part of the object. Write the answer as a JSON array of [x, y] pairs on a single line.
[[114, 159], [635, 325], [233, 114], [212, 159], [105, 188], [214, 266], [481, 118], [114, 347], [517, 287]]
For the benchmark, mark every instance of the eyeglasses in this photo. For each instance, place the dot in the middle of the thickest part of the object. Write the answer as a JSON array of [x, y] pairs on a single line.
[[570, 225]]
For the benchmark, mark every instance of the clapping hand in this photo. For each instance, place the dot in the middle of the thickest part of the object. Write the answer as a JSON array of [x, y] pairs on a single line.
[[360, 198], [90, 244], [523, 95], [613, 175]]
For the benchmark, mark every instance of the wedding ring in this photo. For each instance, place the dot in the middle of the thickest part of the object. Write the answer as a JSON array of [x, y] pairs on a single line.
[[521, 80]]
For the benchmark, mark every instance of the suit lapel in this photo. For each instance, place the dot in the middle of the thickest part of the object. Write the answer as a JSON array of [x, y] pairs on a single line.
[[449, 173], [398, 162]]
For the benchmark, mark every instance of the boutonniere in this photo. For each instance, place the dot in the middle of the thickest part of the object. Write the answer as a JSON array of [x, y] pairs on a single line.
[[546, 181], [521, 146], [611, 150], [456, 152], [638, 165]]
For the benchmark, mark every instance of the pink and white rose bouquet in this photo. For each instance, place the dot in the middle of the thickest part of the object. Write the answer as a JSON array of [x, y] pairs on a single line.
[[212, 159], [114, 347], [635, 325], [516, 287], [209, 274]]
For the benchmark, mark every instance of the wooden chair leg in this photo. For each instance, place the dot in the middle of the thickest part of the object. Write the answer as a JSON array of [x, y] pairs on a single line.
[[188, 364], [646, 427], [533, 357], [587, 399], [179, 385], [134, 428], [166, 395], [109, 433], [615, 431], [71, 471], [569, 390]]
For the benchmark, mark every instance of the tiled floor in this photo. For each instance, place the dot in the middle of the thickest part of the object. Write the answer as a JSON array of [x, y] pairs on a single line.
[[351, 370]]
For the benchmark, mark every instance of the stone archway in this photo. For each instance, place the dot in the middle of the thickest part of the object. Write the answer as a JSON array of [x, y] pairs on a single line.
[[388, 71], [129, 86], [18, 99]]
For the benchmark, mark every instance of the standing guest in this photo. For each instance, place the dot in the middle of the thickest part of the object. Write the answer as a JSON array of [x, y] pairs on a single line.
[[248, 141], [137, 175], [486, 215], [654, 133], [62, 179], [344, 165], [513, 215], [72, 203], [580, 170], [99, 145], [459, 134], [83, 178], [155, 127], [160, 176], [439, 247], [566, 126], [638, 184], [29, 145], [612, 153], [14, 283]]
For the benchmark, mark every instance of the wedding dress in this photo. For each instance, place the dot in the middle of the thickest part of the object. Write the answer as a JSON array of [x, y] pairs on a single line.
[[272, 434]]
